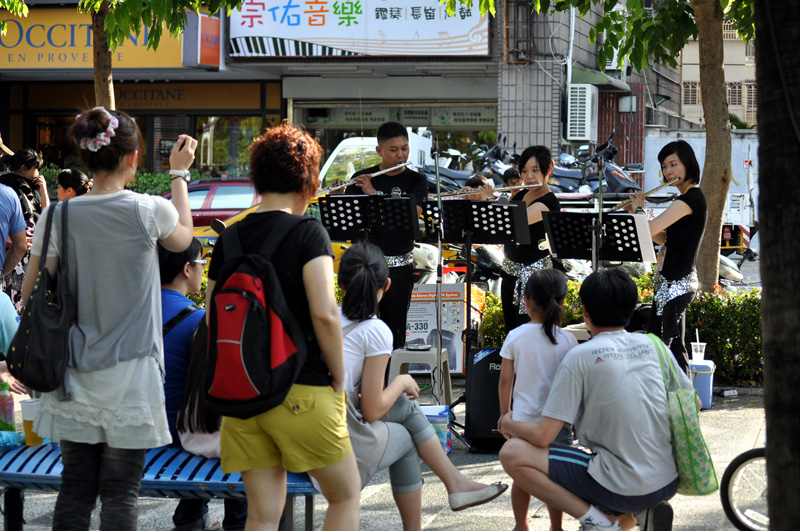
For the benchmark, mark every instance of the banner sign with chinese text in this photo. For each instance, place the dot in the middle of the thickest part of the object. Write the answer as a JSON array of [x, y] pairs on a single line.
[[307, 28]]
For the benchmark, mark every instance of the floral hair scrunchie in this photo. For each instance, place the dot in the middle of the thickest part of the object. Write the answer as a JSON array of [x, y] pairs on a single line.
[[103, 138]]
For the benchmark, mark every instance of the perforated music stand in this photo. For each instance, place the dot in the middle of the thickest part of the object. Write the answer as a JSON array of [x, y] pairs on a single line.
[[369, 217], [624, 237], [471, 221]]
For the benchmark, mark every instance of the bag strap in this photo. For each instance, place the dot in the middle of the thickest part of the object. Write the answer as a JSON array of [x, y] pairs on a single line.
[[63, 263], [178, 318], [46, 243], [663, 358], [279, 233]]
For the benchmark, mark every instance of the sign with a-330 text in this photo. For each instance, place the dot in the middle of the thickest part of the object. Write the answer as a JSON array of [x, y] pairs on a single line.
[[304, 28]]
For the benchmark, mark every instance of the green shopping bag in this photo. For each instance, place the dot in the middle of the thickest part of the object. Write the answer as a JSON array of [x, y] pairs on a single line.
[[696, 474]]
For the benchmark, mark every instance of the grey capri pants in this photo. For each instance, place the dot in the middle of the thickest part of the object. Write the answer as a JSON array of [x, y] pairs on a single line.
[[408, 427]]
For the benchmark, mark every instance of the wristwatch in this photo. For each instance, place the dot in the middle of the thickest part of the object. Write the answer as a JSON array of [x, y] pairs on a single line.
[[182, 174]]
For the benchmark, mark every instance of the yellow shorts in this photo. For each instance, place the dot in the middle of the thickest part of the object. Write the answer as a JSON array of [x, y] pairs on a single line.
[[307, 431]]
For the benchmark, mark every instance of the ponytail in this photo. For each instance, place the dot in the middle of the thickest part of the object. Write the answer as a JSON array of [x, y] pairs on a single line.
[[362, 272], [194, 416], [547, 289]]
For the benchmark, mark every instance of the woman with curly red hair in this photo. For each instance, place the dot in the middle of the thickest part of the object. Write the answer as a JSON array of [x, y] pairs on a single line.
[[308, 432]]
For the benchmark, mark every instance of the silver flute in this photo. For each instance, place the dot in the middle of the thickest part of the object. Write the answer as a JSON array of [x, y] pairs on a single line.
[[330, 189]]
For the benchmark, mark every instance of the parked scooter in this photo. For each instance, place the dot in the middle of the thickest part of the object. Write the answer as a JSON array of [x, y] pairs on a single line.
[[573, 175], [494, 162], [450, 158]]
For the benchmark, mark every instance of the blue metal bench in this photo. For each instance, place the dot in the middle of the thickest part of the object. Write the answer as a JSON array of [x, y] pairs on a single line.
[[168, 473]]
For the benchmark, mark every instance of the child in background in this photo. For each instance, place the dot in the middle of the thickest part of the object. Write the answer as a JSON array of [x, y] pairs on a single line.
[[532, 352]]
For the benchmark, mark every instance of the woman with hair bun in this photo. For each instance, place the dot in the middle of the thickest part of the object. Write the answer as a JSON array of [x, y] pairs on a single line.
[[307, 432], [110, 408], [31, 188], [72, 183]]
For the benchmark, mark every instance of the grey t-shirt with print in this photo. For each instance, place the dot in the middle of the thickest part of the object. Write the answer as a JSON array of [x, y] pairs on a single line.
[[615, 383]]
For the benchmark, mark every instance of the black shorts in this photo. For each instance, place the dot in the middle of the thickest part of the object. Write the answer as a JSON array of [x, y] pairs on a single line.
[[569, 467]]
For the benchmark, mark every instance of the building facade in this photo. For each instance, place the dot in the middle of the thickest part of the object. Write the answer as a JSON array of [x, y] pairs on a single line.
[[740, 78], [338, 68]]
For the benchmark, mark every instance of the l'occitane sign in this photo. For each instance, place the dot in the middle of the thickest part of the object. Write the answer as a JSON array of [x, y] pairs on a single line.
[[62, 38]]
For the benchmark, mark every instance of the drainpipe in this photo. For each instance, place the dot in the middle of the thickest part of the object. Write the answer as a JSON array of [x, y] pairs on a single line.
[[571, 43]]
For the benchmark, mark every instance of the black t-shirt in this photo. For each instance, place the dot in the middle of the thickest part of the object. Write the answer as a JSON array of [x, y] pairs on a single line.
[[683, 237], [530, 253], [24, 187], [306, 241], [410, 183]]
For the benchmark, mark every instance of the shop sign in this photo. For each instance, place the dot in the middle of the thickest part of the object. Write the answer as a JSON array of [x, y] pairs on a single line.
[[349, 117], [303, 28], [153, 96], [478, 117], [62, 38], [209, 41], [201, 41], [441, 117]]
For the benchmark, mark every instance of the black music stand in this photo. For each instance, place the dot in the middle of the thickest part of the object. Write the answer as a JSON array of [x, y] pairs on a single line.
[[369, 217], [471, 221], [623, 237]]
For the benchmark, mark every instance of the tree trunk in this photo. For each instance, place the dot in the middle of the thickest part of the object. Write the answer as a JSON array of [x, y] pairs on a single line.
[[103, 81], [717, 167], [778, 77]]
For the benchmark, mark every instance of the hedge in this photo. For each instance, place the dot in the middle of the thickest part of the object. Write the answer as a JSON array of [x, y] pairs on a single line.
[[144, 183], [729, 322]]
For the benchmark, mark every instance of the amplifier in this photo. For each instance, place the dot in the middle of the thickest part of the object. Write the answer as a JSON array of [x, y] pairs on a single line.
[[482, 400]]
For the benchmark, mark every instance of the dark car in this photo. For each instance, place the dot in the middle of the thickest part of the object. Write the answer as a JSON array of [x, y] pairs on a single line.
[[219, 199]]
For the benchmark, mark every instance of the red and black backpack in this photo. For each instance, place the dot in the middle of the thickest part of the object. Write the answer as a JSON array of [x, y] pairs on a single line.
[[256, 348]]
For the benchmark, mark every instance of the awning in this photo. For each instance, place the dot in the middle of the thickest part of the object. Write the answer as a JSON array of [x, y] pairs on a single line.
[[599, 79]]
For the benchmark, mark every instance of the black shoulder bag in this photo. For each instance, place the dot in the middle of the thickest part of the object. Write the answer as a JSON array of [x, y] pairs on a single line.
[[39, 352]]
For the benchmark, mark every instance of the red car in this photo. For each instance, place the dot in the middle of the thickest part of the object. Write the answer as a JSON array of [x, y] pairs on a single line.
[[219, 199]]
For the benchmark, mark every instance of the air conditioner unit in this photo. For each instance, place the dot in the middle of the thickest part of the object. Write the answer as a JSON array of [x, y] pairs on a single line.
[[582, 102]]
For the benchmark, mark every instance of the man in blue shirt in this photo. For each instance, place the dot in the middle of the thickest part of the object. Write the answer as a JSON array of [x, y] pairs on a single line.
[[182, 273], [12, 224]]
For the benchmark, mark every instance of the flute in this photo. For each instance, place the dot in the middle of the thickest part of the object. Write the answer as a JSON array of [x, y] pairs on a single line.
[[330, 189], [651, 192], [506, 189]]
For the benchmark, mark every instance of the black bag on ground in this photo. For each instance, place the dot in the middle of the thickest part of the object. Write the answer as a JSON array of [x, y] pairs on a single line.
[[256, 348], [39, 352]]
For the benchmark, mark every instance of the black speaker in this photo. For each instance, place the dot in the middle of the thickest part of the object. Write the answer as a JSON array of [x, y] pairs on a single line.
[[482, 400]]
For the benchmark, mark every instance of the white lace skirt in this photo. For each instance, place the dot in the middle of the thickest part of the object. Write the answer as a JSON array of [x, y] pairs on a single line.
[[122, 406]]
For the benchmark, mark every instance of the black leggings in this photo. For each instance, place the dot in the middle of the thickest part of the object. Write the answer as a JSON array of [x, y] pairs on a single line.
[[511, 314], [670, 326]]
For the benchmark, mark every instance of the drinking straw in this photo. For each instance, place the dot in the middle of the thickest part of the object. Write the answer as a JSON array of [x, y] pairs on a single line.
[[697, 334]]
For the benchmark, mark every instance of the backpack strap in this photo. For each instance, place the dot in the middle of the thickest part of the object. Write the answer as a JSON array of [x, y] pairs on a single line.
[[178, 318], [279, 233]]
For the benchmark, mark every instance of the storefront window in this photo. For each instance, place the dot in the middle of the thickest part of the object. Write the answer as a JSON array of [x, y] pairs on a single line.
[[222, 144]]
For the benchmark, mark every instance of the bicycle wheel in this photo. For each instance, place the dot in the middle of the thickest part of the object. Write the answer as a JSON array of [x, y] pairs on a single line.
[[744, 491]]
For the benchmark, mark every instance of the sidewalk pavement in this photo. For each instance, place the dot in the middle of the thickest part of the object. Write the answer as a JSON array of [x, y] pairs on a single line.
[[731, 426]]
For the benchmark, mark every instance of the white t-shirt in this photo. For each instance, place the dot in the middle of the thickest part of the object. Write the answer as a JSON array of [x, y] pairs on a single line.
[[536, 361], [368, 338], [615, 381]]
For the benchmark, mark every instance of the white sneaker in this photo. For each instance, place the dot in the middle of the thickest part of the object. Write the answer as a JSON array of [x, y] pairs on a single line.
[[591, 526], [657, 518]]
